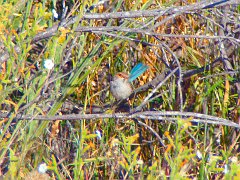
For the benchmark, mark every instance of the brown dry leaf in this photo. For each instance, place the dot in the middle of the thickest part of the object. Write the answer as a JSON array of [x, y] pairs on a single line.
[[91, 144], [55, 128], [226, 94], [3, 70], [101, 8], [184, 162], [169, 147]]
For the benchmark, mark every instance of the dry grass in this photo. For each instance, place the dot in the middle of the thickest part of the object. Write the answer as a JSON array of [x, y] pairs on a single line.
[[86, 53]]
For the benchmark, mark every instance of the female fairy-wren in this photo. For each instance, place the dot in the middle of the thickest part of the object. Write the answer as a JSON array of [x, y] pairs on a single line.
[[121, 87]]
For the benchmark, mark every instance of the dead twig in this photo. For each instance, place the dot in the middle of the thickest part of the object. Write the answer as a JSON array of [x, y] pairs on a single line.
[[151, 115]]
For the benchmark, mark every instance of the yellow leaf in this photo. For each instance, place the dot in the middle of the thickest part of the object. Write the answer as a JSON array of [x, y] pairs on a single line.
[[15, 14], [62, 38], [8, 135], [10, 102]]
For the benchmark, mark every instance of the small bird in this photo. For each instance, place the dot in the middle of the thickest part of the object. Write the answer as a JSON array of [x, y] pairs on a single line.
[[121, 87]]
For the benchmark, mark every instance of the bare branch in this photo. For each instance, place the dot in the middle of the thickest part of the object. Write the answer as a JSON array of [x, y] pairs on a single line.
[[151, 115], [136, 30], [153, 13]]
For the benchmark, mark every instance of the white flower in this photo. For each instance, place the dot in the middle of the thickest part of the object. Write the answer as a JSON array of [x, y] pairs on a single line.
[[226, 169], [199, 155], [99, 134], [55, 14], [48, 64], [42, 168]]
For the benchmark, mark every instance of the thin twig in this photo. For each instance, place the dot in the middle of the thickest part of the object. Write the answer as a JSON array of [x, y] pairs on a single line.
[[179, 75], [153, 131], [137, 30], [146, 100]]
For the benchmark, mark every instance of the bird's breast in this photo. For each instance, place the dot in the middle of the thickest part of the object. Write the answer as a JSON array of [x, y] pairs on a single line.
[[120, 88]]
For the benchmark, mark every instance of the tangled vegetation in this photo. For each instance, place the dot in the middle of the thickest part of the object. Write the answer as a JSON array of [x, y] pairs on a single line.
[[181, 122]]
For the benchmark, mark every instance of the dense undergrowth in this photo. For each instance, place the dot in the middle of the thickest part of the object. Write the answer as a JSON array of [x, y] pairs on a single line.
[[86, 52]]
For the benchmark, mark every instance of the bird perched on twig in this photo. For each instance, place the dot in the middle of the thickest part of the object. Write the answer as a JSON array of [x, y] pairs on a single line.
[[121, 87]]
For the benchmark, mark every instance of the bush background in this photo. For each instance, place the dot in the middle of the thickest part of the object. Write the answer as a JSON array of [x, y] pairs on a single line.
[[88, 47]]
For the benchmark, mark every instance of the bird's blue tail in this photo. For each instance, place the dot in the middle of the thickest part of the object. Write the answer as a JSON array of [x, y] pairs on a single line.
[[137, 71]]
